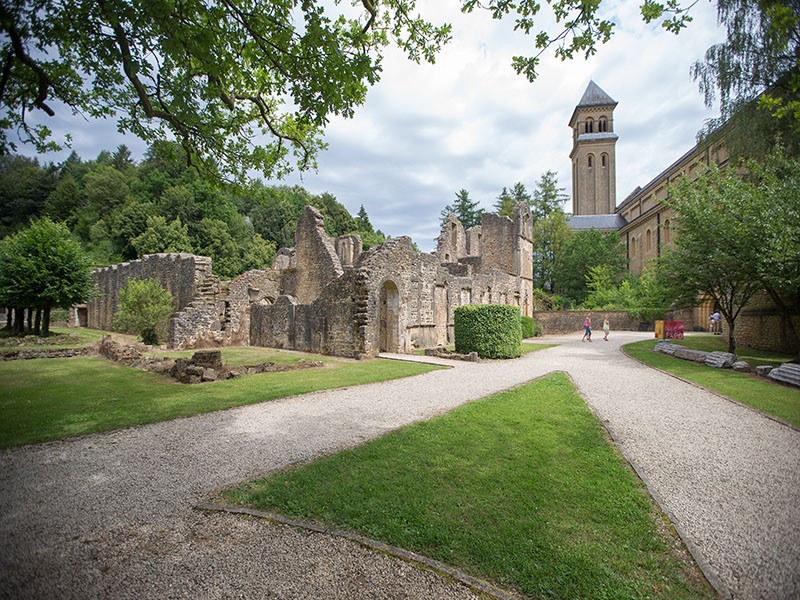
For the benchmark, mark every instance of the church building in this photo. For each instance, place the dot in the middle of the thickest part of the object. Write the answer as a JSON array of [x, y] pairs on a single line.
[[642, 220]]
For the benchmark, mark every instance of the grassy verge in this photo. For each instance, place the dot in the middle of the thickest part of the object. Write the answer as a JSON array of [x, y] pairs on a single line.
[[521, 488], [54, 398], [62, 337], [715, 343], [771, 398]]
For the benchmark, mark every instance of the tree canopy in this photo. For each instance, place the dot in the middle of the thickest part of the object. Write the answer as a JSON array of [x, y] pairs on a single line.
[[738, 234], [245, 85], [467, 211], [119, 209], [42, 267]]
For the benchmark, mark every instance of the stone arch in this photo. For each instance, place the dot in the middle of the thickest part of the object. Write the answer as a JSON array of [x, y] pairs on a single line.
[[389, 317]]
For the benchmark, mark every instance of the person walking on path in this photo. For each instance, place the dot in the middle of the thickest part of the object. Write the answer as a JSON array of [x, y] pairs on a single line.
[[587, 328], [606, 328]]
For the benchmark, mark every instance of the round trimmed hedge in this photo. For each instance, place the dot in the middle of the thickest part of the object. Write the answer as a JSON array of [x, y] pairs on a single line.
[[491, 330]]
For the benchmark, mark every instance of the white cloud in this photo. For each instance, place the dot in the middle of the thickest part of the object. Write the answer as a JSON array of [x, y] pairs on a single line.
[[469, 121]]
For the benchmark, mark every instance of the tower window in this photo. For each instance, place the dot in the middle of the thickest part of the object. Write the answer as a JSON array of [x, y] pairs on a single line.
[[590, 161], [602, 125], [589, 125], [603, 160]]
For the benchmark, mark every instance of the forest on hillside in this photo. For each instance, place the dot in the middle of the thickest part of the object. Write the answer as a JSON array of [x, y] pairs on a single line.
[[120, 209]]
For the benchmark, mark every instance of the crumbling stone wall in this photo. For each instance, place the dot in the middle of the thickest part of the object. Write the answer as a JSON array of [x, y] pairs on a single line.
[[223, 319], [348, 249], [315, 256], [328, 296], [451, 245], [182, 275], [351, 317]]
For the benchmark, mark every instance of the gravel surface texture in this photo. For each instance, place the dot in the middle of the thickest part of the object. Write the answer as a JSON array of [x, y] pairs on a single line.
[[111, 515]]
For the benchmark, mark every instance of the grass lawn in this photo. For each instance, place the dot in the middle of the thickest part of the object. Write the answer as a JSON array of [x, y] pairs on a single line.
[[521, 488], [65, 337], [771, 398], [715, 343], [48, 399]]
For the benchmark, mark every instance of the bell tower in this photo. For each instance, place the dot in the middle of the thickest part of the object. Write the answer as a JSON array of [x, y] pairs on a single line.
[[593, 158]]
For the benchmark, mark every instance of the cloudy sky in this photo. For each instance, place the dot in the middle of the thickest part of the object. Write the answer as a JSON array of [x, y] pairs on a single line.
[[468, 121]]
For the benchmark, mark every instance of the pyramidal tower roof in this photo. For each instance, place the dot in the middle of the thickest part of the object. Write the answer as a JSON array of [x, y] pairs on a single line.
[[594, 96]]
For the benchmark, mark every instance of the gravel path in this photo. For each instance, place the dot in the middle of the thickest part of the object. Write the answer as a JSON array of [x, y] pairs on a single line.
[[110, 515]]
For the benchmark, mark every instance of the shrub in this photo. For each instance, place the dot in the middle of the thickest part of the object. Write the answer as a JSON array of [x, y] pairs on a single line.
[[145, 309], [491, 330], [529, 328]]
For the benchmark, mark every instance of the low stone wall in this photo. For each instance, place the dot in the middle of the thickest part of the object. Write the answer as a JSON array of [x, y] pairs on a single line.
[[761, 326], [558, 322]]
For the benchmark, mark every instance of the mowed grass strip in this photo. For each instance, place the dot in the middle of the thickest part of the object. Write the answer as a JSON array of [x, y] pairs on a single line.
[[62, 337], [521, 488], [47, 399], [771, 398]]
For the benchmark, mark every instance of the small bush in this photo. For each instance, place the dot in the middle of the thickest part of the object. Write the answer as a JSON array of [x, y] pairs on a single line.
[[491, 330], [528, 327], [145, 309]]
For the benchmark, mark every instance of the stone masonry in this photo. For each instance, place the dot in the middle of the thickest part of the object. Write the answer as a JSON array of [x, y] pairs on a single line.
[[325, 295]]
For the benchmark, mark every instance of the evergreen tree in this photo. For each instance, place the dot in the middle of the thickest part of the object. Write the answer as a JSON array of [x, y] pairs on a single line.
[[466, 210], [548, 198]]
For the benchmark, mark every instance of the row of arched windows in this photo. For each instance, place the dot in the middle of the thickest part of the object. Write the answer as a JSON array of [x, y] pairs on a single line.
[[603, 160], [648, 239], [601, 125]]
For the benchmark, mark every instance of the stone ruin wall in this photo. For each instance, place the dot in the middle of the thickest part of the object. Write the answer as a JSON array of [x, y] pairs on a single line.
[[182, 275], [345, 318], [324, 295], [223, 319], [317, 262], [332, 324]]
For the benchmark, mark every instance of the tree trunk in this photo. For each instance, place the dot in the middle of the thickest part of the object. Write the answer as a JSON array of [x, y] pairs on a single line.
[[46, 321], [30, 320], [19, 320], [37, 324], [9, 318], [731, 339]]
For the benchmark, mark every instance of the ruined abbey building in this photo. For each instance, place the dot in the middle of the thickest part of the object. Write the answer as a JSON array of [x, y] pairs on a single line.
[[327, 296]]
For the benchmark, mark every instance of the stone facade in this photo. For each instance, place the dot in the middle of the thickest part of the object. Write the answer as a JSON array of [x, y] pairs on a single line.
[[646, 225], [327, 296], [761, 325], [593, 153], [395, 299], [185, 276]]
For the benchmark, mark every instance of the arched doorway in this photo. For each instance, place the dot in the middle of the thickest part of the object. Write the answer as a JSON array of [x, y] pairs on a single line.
[[390, 318]]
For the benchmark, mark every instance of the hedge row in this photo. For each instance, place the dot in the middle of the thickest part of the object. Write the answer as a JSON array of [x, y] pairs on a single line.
[[491, 330]]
